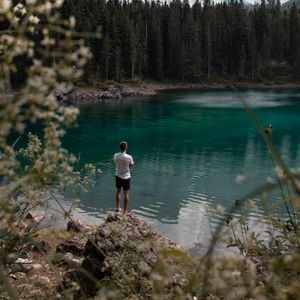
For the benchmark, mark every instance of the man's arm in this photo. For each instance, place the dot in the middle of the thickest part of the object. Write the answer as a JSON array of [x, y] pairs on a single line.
[[131, 163]]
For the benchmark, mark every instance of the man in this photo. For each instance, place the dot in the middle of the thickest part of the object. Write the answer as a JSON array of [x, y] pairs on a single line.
[[123, 163], [269, 129]]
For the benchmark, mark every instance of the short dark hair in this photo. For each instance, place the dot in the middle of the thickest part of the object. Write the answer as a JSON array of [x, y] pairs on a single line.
[[123, 146]]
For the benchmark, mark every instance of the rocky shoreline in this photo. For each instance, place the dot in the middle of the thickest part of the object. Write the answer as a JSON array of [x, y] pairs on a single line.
[[88, 94], [80, 95], [85, 260], [91, 94]]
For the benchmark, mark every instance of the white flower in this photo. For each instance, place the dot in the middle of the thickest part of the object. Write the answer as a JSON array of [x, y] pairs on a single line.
[[47, 41], [15, 20], [72, 22], [84, 51], [33, 19], [45, 8], [4, 6], [19, 8], [58, 3]]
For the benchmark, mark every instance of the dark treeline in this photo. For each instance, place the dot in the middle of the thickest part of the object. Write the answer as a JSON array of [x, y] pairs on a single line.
[[180, 41]]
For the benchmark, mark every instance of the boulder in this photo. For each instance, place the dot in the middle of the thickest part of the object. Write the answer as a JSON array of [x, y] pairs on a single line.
[[75, 246], [128, 92], [36, 216], [70, 261], [78, 226], [41, 246], [24, 263], [24, 287], [124, 243], [18, 276], [78, 282]]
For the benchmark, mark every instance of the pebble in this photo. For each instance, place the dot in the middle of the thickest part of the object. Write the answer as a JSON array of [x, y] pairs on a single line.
[[27, 287]]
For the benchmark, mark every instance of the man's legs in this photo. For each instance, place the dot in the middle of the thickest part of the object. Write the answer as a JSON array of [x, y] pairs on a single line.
[[126, 198], [118, 192]]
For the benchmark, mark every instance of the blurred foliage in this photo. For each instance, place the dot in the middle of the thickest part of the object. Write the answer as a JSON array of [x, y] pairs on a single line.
[[34, 167]]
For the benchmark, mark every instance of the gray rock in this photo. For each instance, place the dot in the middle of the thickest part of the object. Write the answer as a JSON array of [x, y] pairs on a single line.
[[44, 280], [24, 263], [128, 92], [27, 287], [36, 216], [107, 95], [70, 261], [78, 226], [18, 275], [93, 95], [41, 246], [79, 283], [36, 266]]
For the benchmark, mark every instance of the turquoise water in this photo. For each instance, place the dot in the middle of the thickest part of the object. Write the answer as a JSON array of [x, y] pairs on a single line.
[[188, 148]]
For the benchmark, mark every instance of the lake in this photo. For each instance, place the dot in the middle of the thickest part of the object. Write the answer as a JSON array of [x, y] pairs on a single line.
[[189, 147]]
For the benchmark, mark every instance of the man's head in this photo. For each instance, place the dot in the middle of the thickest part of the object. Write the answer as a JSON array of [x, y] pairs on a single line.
[[123, 146]]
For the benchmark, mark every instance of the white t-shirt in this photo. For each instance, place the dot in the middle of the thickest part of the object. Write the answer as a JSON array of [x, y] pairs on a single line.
[[123, 162]]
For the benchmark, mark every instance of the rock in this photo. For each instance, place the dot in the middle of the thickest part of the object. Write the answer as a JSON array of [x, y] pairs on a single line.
[[144, 267], [179, 280], [27, 287], [44, 280], [124, 243], [107, 95], [77, 95], [70, 261], [41, 246], [94, 266], [78, 282], [18, 275], [24, 263], [128, 92], [115, 92], [75, 246], [36, 266], [78, 226], [13, 276], [36, 216]]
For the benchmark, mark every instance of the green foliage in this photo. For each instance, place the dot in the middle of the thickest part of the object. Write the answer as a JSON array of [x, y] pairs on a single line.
[[34, 167]]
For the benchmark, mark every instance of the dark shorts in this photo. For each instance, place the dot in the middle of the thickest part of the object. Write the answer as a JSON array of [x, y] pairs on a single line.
[[123, 183]]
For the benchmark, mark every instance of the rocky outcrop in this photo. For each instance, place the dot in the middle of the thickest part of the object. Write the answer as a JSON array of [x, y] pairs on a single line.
[[35, 216], [78, 95], [75, 246], [78, 226], [125, 245]]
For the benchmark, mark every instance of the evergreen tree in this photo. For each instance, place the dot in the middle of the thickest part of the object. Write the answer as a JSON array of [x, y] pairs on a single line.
[[293, 34], [106, 54], [207, 37], [177, 41]]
